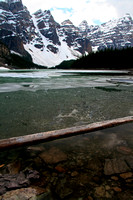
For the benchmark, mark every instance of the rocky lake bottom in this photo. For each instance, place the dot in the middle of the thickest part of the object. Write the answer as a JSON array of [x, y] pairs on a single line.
[[93, 166]]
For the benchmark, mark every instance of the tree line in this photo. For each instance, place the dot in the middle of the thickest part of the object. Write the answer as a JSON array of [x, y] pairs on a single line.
[[103, 59], [106, 59]]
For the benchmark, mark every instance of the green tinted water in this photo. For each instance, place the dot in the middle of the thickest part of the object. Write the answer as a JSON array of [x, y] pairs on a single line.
[[42, 101]]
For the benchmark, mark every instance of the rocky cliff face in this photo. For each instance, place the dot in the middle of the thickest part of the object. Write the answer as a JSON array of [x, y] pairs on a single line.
[[15, 21], [4, 51], [5, 57], [75, 38]]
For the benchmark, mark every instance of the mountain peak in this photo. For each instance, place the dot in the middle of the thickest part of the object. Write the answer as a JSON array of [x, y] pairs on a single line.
[[14, 1], [66, 22], [83, 26], [127, 16], [47, 12], [38, 12], [84, 22]]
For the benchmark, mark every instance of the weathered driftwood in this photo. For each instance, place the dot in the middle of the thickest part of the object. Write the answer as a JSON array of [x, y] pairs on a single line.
[[62, 133]]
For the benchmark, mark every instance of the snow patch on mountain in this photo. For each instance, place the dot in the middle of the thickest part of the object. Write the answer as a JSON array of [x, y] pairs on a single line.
[[50, 59], [42, 47]]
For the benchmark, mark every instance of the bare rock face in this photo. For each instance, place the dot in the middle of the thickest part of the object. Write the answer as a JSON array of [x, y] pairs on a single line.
[[15, 6], [5, 57], [75, 38], [4, 51], [47, 25], [15, 20]]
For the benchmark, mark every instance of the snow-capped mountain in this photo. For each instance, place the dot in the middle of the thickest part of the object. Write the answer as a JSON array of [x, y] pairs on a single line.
[[48, 43], [54, 42], [113, 34], [39, 35]]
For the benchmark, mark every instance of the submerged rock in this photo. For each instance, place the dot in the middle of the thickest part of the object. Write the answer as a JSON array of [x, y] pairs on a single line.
[[126, 175], [75, 173], [26, 194], [95, 165], [115, 178], [117, 189], [11, 182], [100, 191], [115, 166], [35, 148], [124, 150], [53, 156], [60, 169], [63, 191]]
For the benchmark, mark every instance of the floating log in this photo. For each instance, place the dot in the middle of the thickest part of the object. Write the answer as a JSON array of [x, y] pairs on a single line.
[[62, 133]]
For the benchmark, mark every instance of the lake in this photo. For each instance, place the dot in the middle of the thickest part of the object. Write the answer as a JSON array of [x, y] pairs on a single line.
[[97, 165], [33, 101]]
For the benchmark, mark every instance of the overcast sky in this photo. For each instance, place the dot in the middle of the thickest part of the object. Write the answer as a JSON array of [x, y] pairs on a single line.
[[94, 11]]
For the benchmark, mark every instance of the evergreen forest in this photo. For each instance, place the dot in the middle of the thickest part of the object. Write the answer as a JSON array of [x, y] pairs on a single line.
[[103, 59]]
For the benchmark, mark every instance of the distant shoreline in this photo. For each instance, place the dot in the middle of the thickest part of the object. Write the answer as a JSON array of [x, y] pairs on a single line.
[[76, 71]]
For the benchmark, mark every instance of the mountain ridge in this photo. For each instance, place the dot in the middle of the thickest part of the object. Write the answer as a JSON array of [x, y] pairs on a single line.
[[116, 33], [48, 43]]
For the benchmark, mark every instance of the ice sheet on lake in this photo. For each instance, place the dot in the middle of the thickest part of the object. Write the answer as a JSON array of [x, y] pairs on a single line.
[[55, 83], [33, 80], [122, 80]]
